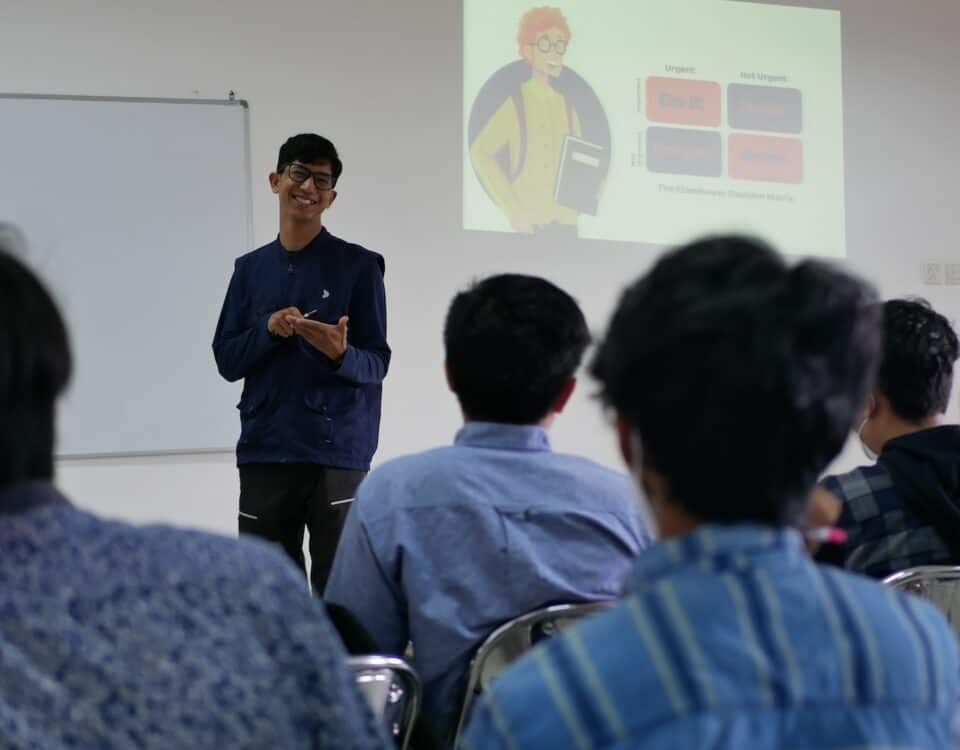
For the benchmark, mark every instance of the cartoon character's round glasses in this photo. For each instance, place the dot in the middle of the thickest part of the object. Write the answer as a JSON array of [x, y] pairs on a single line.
[[545, 45]]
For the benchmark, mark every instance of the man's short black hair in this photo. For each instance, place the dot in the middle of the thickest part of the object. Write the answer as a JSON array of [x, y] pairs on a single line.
[[920, 347], [35, 366], [308, 148], [740, 376], [513, 343]]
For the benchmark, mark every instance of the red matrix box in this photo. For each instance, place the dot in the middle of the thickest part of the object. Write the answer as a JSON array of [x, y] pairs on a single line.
[[680, 101], [765, 158]]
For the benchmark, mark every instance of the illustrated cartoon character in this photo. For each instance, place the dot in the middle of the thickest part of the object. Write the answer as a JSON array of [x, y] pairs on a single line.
[[517, 154]]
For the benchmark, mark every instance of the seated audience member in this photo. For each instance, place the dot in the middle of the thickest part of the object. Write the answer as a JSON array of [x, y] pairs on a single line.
[[904, 510], [442, 547], [734, 379], [120, 637]]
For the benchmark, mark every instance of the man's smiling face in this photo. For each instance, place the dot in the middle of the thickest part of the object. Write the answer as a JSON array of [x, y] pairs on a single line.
[[305, 190]]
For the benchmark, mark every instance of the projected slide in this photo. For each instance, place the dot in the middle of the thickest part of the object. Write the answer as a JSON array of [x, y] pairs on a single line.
[[654, 120]]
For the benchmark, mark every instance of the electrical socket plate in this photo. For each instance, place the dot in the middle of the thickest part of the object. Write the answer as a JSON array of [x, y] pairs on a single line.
[[933, 273], [952, 273]]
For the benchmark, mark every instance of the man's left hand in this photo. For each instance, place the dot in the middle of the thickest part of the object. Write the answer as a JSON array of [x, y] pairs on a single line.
[[325, 338]]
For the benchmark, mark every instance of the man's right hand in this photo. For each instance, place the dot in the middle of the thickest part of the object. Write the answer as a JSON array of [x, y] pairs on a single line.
[[280, 323]]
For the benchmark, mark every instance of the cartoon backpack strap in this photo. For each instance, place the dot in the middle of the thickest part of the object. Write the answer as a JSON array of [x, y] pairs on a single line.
[[522, 120]]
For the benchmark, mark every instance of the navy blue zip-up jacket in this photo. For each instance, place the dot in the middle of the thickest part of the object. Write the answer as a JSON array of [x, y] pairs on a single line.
[[297, 406]]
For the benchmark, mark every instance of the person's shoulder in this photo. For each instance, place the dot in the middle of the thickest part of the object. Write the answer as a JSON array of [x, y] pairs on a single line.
[[250, 264], [607, 482], [357, 254], [253, 255], [401, 481], [883, 606], [226, 566], [858, 482]]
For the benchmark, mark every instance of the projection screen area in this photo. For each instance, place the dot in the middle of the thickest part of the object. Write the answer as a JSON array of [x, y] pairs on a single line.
[[645, 120], [823, 126]]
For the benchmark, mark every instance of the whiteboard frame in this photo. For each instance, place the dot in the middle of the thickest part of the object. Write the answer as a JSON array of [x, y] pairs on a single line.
[[248, 171]]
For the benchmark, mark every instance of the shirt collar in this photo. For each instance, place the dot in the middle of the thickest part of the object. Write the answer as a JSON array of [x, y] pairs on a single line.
[[513, 437], [20, 497], [715, 548], [311, 247]]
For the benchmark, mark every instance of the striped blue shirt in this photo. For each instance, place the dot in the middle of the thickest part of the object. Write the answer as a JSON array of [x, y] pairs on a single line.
[[731, 637]]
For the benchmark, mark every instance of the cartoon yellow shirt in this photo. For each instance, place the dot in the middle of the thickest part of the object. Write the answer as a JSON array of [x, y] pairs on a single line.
[[531, 193]]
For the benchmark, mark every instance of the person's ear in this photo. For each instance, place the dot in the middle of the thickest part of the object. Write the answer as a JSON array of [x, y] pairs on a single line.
[[527, 53], [876, 404], [446, 371], [274, 182], [333, 197], [564, 397]]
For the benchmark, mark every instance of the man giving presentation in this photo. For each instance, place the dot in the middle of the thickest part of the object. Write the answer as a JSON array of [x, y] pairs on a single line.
[[304, 324]]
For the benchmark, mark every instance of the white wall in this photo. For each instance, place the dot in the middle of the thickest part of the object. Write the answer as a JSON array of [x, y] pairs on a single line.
[[359, 72], [382, 79]]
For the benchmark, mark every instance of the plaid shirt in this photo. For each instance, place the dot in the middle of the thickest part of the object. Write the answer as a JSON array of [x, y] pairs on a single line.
[[884, 534]]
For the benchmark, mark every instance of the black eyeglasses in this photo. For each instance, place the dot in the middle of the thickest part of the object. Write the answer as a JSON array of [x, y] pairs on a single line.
[[545, 45], [299, 174]]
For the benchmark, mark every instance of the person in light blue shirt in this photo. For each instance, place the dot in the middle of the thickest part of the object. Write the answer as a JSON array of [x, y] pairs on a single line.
[[442, 547], [735, 379]]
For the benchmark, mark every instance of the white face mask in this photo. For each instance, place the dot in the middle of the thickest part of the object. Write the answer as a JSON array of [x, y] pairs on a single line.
[[869, 452]]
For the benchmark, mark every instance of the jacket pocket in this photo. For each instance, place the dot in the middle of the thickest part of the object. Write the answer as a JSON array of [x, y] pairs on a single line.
[[251, 403], [253, 418], [320, 426]]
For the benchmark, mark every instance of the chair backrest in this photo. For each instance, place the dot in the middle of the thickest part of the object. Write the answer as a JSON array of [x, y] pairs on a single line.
[[511, 640], [392, 689], [940, 584]]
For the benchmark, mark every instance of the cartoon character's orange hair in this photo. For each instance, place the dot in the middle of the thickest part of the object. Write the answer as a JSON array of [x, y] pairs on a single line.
[[537, 20]]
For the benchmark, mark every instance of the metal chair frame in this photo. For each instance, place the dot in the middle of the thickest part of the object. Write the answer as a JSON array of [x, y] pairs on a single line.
[[515, 638], [938, 584], [403, 685]]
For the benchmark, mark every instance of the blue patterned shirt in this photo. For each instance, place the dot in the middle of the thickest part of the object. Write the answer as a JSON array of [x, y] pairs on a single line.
[[731, 637], [113, 636], [884, 535], [443, 547]]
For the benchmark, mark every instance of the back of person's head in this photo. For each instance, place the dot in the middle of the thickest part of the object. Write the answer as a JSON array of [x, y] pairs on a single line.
[[35, 366], [919, 350], [739, 376], [309, 148], [513, 345]]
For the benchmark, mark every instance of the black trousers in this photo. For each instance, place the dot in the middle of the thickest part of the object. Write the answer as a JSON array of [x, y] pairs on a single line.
[[277, 501]]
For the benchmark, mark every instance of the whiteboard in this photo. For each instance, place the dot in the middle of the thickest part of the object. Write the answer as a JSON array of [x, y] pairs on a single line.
[[133, 210]]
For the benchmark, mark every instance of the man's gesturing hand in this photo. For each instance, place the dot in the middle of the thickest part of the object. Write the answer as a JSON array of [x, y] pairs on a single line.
[[328, 339], [280, 323]]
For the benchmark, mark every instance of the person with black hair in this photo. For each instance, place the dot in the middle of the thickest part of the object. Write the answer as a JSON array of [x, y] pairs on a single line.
[[904, 509], [734, 379], [304, 324], [114, 636], [444, 546]]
